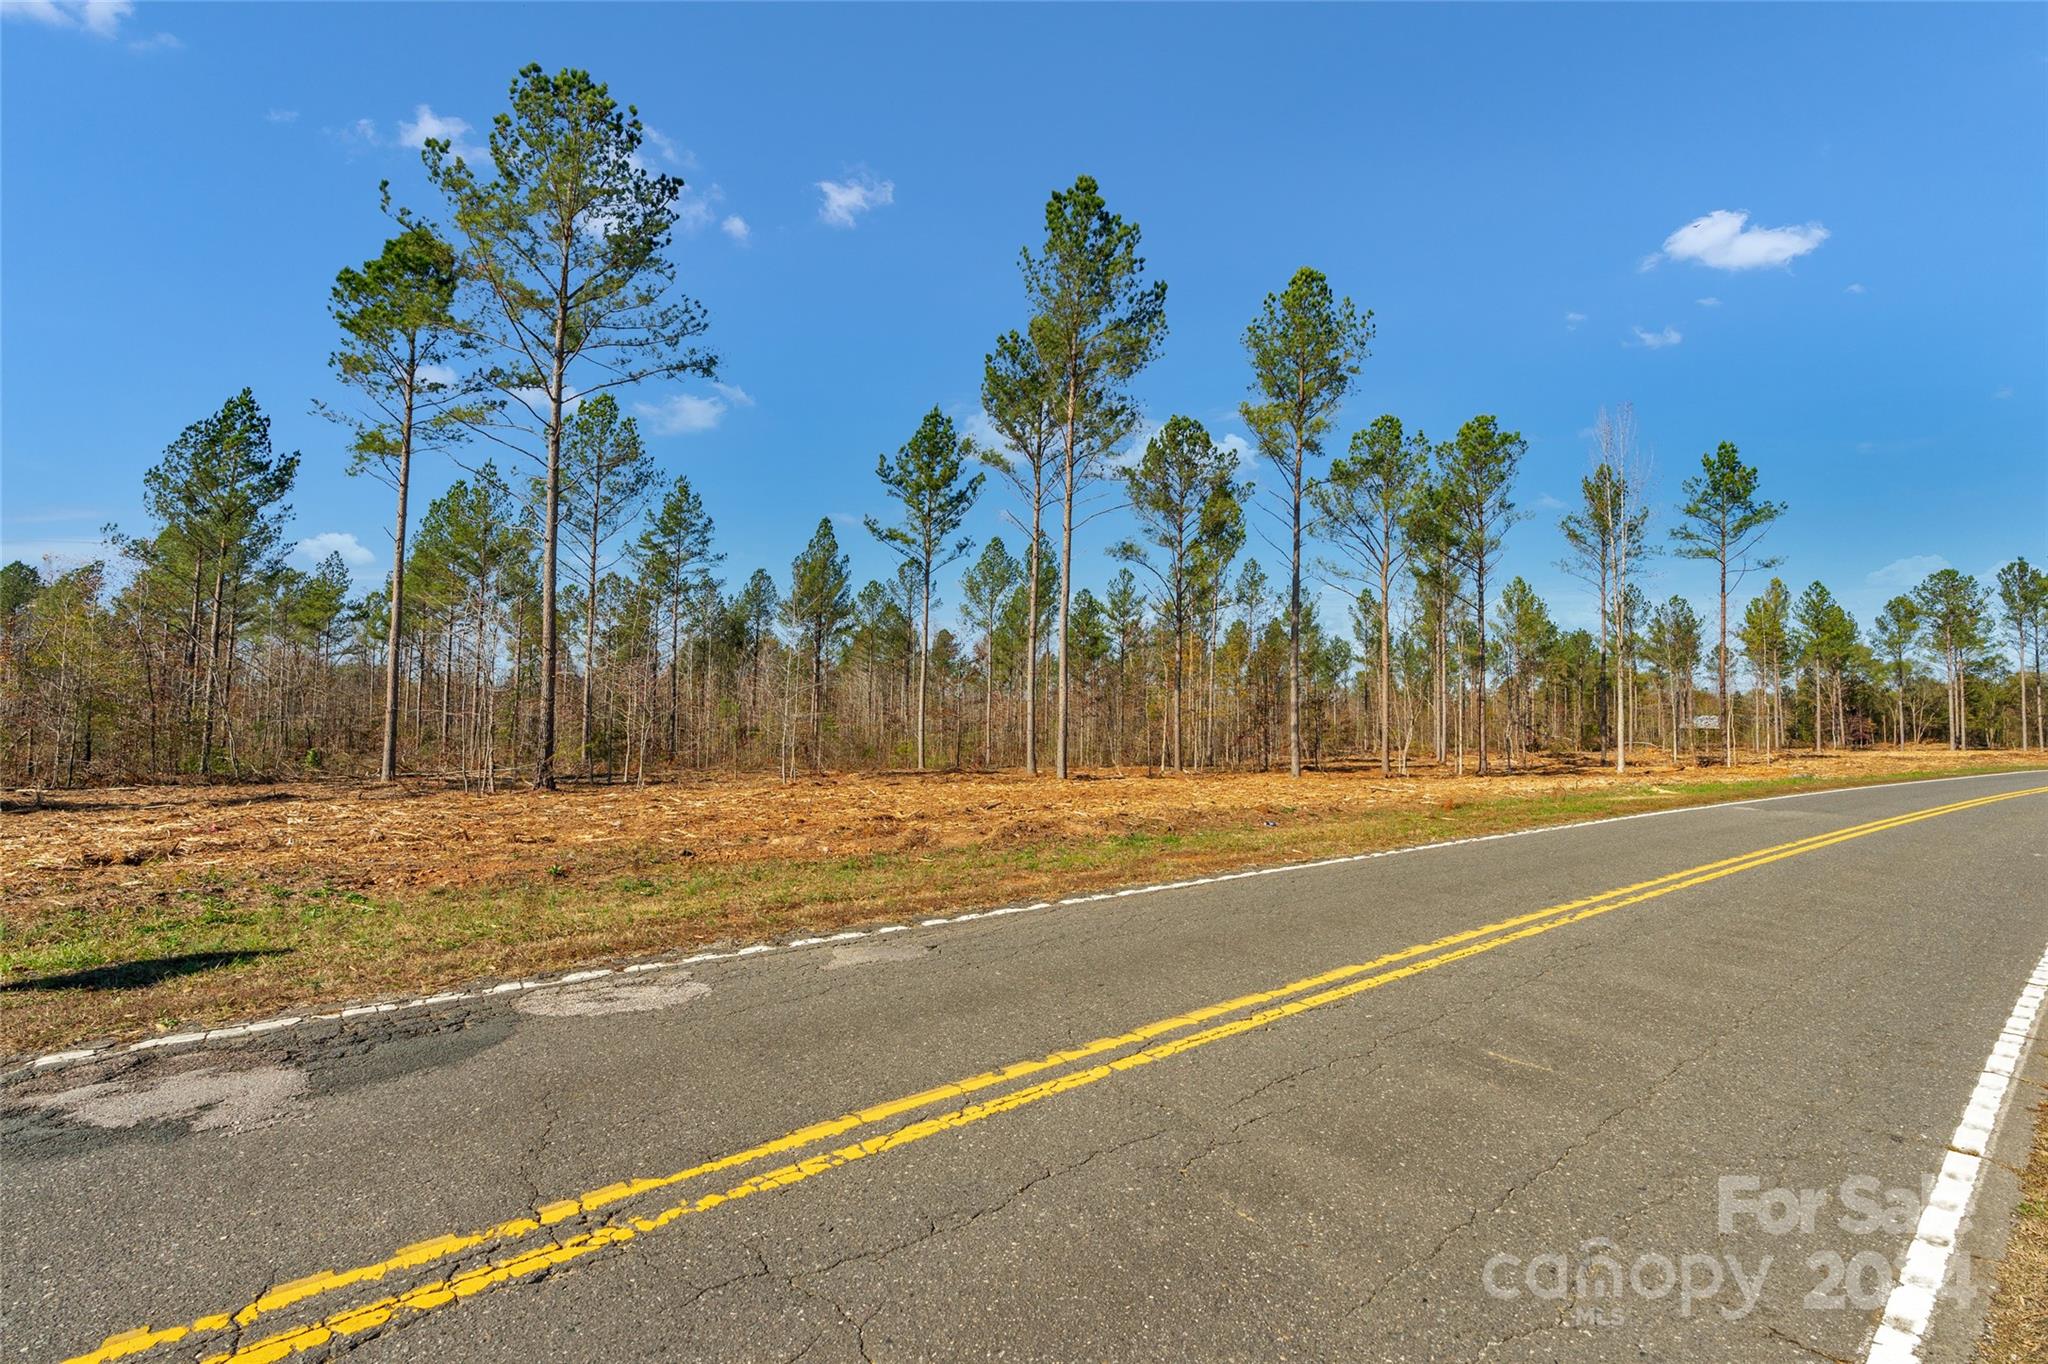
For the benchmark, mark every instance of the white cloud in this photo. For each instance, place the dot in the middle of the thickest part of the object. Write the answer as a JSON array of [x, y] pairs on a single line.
[[1855, 289], [1128, 455], [697, 209], [686, 414], [975, 425], [358, 135], [1572, 321], [666, 149], [1236, 444], [1907, 572], [2003, 391], [310, 551], [1670, 336], [1546, 502], [427, 124], [736, 227], [101, 18], [682, 414], [1723, 240], [845, 200], [1708, 302], [281, 116]]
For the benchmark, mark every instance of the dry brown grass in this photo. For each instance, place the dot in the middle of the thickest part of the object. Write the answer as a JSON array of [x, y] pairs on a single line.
[[2016, 1327], [268, 897], [413, 836]]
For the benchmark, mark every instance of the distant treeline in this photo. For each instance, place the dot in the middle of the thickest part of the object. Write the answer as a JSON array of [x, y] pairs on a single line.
[[561, 610]]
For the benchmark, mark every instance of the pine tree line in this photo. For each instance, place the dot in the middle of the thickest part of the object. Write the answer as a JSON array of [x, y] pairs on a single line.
[[559, 610], [213, 656]]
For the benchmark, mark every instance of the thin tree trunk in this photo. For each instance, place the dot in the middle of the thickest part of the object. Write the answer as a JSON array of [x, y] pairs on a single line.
[[818, 700], [212, 661], [1962, 703], [1294, 618], [1031, 641], [1386, 648], [1066, 574], [1816, 708], [447, 675], [1721, 672], [1479, 583], [387, 765], [924, 652], [550, 641], [590, 606]]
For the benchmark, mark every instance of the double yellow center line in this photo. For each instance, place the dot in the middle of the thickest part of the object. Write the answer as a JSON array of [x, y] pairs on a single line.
[[1182, 1032]]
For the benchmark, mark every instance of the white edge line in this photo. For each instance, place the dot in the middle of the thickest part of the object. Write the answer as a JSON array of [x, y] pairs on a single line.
[[234, 1031], [1910, 1307]]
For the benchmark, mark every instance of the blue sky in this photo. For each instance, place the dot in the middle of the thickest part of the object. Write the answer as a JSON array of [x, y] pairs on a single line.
[[181, 183]]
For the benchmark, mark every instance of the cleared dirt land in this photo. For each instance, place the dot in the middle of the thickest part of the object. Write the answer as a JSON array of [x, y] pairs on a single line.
[[139, 910]]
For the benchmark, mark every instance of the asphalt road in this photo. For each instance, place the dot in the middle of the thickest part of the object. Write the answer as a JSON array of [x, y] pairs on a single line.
[[1693, 1122]]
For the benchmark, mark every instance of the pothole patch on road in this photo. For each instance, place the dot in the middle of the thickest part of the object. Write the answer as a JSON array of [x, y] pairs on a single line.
[[872, 953], [596, 999], [204, 1098]]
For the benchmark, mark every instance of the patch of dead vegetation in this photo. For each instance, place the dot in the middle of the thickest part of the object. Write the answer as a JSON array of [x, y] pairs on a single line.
[[149, 909], [414, 836], [2016, 1327]]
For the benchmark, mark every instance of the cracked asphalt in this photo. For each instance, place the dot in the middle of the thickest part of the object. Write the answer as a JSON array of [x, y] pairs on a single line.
[[1443, 1167]]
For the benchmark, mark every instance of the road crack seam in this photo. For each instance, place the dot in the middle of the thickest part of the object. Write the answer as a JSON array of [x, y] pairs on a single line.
[[1592, 1134]]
